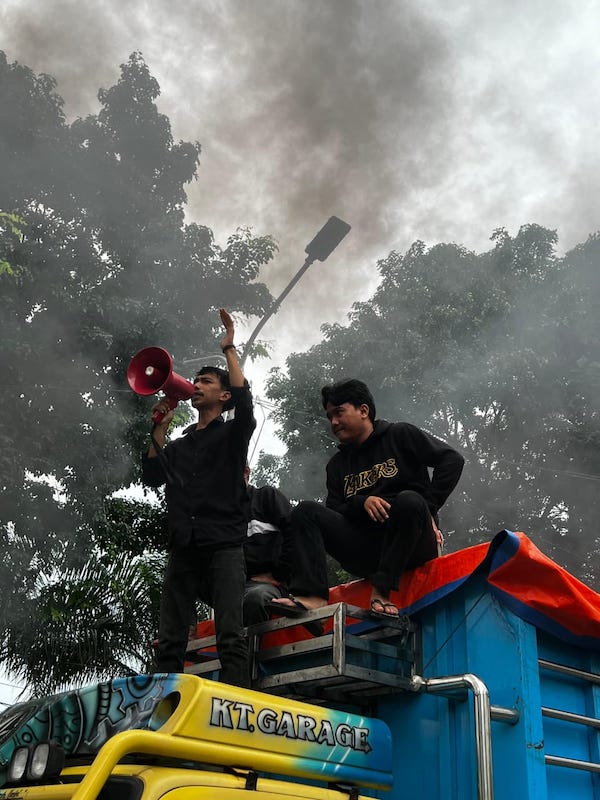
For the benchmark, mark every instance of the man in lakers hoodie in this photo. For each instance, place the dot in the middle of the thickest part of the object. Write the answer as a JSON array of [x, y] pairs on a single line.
[[380, 517]]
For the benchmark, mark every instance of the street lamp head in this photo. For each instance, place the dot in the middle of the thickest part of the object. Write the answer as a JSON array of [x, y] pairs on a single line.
[[324, 243], [327, 239]]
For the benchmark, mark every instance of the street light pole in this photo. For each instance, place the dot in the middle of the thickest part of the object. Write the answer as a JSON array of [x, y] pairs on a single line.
[[273, 310], [324, 243]]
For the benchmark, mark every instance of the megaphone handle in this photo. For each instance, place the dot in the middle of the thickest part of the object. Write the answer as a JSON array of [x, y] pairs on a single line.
[[157, 417]]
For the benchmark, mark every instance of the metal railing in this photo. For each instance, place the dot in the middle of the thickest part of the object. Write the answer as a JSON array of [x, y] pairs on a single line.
[[570, 717], [483, 713]]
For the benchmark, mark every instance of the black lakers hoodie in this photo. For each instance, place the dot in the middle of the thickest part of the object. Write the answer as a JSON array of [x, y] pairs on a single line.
[[395, 457]]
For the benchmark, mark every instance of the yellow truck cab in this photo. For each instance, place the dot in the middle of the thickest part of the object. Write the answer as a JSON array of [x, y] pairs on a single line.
[[181, 737]]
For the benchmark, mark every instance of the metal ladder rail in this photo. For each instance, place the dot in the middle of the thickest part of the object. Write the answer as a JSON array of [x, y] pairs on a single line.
[[484, 713], [568, 716]]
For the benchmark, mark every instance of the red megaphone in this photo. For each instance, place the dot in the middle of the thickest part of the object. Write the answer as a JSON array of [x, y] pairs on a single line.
[[151, 371]]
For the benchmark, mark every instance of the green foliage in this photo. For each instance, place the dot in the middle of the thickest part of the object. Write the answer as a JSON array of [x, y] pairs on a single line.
[[89, 623], [96, 262], [495, 353], [131, 527], [11, 232]]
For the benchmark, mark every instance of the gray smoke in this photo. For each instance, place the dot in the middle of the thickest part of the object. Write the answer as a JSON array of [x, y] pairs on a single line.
[[410, 120]]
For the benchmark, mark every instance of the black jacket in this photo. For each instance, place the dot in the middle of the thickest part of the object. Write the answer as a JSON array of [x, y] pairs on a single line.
[[395, 457], [266, 547], [207, 502]]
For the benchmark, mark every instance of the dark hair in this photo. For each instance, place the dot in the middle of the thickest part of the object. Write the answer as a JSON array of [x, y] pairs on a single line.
[[223, 377], [353, 391], [221, 374]]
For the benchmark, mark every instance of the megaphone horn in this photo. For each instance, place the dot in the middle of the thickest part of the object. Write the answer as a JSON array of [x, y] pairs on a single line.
[[151, 371]]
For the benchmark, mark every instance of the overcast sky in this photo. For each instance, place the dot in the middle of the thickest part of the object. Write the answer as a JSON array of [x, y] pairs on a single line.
[[431, 119]]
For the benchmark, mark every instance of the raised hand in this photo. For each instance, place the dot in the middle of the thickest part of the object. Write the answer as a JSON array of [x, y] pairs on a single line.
[[229, 328]]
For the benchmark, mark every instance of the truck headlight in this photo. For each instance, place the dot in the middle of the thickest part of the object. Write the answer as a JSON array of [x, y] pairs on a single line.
[[35, 762], [18, 764]]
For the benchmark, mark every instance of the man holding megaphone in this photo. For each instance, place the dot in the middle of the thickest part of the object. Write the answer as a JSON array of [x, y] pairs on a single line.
[[207, 507]]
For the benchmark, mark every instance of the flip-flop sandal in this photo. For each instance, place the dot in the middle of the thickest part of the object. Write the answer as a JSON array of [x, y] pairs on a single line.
[[297, 610], [378, 609]]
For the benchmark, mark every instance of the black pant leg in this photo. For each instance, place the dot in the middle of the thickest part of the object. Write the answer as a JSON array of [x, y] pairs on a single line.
[[177, 605], [317, 530], [257, 595], [309, 524], [223, 588], [408, 540]]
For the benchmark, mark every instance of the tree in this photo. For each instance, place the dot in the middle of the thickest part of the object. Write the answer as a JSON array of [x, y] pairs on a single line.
[[83, 623], [494, 353], [96, 262]]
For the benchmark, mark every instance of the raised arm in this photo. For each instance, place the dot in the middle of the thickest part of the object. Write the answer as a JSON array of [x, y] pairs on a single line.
[[236, 377]]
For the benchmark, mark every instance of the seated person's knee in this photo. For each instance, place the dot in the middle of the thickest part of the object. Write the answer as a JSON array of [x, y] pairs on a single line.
[[255, 603], [410, 502]]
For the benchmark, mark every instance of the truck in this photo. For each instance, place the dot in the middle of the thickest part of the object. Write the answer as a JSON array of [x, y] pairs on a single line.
[[487, 685]]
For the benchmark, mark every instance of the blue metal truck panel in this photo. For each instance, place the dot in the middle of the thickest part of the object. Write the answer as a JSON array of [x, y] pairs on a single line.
[[471, 632]]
